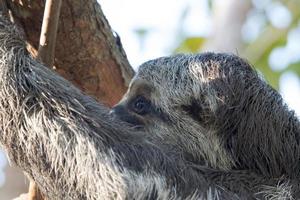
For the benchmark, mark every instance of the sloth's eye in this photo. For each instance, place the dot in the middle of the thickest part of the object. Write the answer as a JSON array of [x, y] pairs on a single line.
[[141, 105]]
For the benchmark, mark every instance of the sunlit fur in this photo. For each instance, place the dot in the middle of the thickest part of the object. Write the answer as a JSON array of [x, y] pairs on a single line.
[[73, 149], [282, 191]]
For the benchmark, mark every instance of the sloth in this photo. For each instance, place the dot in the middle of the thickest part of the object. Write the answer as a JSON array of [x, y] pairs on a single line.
[[190, 127], [218, 110]]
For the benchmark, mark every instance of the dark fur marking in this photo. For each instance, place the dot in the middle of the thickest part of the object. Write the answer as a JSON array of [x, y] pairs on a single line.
[[195, 110], [159, 113]]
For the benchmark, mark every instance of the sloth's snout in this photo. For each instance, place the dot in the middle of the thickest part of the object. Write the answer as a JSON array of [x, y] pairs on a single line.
[[120, 112], [117, 110]]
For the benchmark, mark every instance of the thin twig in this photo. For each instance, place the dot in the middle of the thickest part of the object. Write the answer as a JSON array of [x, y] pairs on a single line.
[[49, 32], [46, 55], [34, 193]]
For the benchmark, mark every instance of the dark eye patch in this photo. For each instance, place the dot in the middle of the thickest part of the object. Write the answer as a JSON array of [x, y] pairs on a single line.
[[140, 105], [143, 106], [194, 110]]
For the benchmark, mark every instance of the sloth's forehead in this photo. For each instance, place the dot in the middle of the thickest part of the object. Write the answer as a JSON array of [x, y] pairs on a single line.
[[178, 64], [140, 86], [198, 67], [179, 69]]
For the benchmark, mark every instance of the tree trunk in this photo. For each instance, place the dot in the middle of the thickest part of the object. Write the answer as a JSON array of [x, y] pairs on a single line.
[[87, 53]]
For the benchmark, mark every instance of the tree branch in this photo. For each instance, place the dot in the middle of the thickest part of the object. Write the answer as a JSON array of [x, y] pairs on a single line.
[[46, 54], [49, 32], [87, 53], [34, 193]]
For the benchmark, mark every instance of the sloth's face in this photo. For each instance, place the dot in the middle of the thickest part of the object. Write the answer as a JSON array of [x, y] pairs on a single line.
[[145, 105], [137, 106], [192, 103], [180, 123]]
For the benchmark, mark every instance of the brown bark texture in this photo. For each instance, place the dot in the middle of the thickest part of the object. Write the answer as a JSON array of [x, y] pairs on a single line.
[[34, 193], [87, 52]]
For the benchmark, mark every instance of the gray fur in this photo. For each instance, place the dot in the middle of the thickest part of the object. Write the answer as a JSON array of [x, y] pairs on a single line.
[[282, 191], [242, 123], [70, 145]]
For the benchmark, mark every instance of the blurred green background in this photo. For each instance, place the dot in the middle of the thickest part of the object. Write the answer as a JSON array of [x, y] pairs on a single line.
[[273, 25]]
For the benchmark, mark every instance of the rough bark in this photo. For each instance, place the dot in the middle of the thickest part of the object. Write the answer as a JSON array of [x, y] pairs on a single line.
[[87, 53]]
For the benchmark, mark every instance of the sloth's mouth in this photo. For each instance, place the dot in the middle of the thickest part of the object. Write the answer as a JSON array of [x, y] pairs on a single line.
[[137, 127], [133, 121]]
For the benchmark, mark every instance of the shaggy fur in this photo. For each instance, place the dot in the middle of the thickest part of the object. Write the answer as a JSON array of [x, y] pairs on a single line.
[[73, 148]]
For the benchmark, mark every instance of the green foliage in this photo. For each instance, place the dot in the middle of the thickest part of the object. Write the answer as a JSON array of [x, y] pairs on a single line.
[[259, 50], [295, 67], [190, 45]]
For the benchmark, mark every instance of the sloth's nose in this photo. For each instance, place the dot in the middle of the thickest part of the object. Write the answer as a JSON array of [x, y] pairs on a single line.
[[117, 110], [112, 112]]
